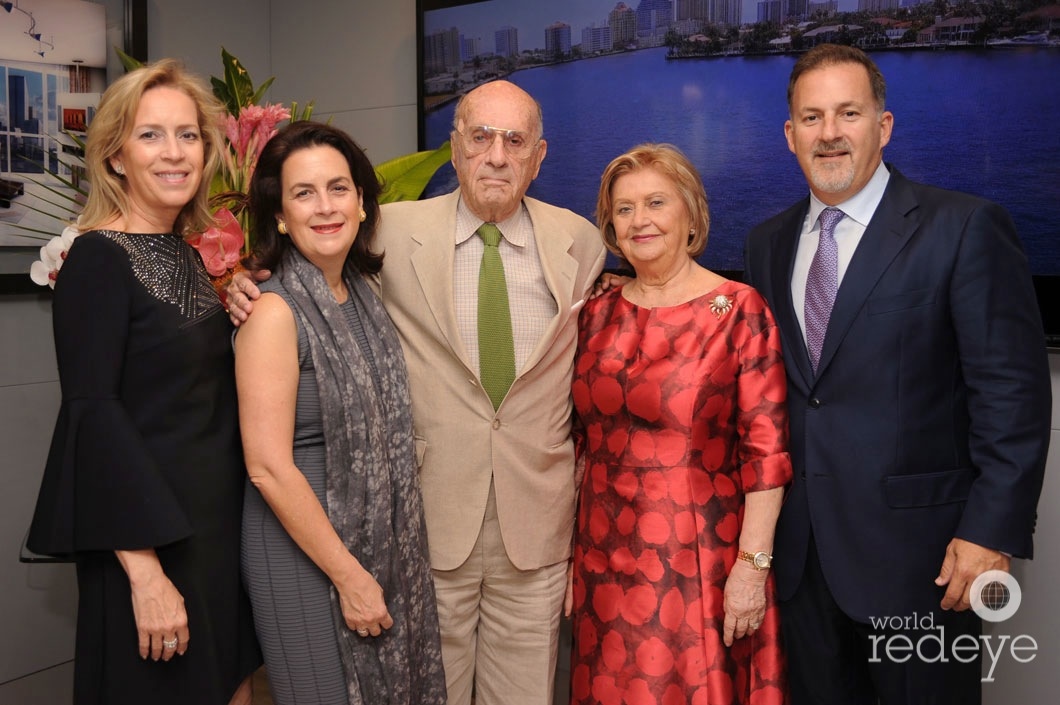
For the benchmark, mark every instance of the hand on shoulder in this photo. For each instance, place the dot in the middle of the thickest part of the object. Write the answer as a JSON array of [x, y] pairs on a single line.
[[242, 291]]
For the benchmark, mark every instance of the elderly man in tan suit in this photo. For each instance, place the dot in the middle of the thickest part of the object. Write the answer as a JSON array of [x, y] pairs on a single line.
[[498, 482]]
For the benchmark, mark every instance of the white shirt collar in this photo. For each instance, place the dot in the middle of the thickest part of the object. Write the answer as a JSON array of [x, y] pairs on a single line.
[[862, 204], [512, 229]]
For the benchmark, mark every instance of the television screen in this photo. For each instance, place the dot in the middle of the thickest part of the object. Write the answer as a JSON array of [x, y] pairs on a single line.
[[975, 99]]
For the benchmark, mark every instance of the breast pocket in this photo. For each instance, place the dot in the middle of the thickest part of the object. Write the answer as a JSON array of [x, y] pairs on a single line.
[[904, 301]]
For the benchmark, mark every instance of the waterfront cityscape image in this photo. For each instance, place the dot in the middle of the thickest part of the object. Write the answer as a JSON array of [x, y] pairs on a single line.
[[976, 107]]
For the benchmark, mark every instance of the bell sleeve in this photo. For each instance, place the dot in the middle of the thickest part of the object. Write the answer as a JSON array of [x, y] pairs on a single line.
[[102, 489]]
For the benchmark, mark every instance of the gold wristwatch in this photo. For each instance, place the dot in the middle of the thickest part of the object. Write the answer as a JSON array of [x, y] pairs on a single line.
[[760, 560]]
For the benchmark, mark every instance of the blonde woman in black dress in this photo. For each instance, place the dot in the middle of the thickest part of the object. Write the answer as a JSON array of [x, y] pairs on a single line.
[[143, 486]]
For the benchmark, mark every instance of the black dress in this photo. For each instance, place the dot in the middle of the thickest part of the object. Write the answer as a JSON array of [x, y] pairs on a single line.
[[146, 454]]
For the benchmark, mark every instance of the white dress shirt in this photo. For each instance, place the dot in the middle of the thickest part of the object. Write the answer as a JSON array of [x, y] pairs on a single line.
[[858, 210], [531, 303]]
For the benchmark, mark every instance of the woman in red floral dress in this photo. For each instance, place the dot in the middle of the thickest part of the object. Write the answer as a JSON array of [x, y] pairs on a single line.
[[680, 389]]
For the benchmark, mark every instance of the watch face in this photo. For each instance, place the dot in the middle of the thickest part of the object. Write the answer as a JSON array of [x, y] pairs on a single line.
[[762, 560]]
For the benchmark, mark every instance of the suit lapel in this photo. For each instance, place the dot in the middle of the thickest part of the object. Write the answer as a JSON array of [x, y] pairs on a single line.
[[893, 223], [786, 241], [560, 269], [433, 264]]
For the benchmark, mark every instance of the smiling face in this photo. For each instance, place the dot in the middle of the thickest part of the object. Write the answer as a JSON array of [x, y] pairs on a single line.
[[651, 221], [162, 159], [493, 182], [321, 205], [836, 130]]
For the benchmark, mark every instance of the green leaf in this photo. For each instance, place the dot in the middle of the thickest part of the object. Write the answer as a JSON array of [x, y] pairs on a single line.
[[128, 62], [404, 178], [240, 87], [256, 98], [305, 114], [220, 91]]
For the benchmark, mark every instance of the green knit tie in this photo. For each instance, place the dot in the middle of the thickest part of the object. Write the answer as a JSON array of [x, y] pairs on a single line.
[[496, 349]]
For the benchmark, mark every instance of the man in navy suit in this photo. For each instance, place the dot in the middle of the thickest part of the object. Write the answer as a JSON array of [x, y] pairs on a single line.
[[919, 426]]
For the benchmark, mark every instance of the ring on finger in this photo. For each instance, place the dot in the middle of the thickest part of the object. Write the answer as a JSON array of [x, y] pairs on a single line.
[[362, 632], [171, 644]]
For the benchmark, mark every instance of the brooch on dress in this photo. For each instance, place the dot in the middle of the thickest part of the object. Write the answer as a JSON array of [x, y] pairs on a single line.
[[720, 305]]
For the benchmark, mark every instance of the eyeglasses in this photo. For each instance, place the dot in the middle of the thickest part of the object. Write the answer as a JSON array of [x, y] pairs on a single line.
[[479, 138]]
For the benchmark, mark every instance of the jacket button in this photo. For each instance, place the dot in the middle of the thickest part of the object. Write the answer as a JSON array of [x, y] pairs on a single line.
[[815, 403], [496, 424]]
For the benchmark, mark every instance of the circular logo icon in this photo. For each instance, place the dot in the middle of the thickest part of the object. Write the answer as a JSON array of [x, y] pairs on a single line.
[[996, 595]]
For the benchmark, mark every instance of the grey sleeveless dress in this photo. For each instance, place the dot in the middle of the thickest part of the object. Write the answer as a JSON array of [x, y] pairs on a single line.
[[290, 595]]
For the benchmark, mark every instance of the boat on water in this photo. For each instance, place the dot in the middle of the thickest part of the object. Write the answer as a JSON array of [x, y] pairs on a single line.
[[1031, 39]]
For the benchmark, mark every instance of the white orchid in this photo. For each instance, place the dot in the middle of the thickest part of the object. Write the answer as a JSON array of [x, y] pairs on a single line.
[[52, 256]]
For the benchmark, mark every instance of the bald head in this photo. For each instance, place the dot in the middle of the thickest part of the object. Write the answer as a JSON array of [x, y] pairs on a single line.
[[493, 182], [499, 93]]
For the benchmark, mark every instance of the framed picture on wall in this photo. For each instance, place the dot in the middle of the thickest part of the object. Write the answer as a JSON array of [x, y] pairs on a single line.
[[53, 56], [52, 70], [974, 99]]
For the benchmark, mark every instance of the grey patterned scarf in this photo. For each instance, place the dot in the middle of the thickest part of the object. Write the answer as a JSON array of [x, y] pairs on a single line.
[[373, 493]]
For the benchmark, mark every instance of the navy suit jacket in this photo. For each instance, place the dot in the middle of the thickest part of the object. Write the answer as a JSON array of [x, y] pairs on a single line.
[[928, 417]]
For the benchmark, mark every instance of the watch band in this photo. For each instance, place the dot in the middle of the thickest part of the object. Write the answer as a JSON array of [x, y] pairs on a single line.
[[760, 560]]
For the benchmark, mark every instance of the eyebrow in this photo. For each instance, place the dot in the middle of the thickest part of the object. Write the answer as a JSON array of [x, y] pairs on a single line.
[[842, 106], [156, 126], [330, 182]]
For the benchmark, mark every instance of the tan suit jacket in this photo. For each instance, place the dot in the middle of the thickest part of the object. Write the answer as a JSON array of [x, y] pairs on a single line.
[[525, 446]]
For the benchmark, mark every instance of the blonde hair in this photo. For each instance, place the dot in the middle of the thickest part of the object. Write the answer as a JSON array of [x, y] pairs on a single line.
[[669, 161], [113, 124]]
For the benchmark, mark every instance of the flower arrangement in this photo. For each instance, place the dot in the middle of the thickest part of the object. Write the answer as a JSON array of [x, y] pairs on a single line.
[[248, 126]]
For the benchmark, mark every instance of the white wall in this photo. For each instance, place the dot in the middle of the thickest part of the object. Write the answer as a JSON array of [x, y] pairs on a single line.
[[195, 30], [1038, 617], [357, 60], [38, 607]]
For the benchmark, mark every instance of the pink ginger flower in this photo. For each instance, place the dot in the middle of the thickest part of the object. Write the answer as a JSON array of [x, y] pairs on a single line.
[[247, 135], [272, 115]]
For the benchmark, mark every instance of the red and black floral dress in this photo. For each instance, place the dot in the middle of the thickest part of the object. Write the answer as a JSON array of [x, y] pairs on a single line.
[[683, 412]]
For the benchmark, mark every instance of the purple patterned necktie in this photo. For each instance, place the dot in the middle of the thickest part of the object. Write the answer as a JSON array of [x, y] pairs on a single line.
[[821, 284]]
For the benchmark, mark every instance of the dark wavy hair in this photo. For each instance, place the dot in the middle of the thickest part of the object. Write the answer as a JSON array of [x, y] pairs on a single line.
[[266, 200], [824, 55]]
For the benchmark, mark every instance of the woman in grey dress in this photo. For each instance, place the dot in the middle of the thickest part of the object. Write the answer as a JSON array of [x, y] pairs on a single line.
[[334, 547]]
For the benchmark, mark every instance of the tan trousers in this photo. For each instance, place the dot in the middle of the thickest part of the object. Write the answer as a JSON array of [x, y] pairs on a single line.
[[500, 625]]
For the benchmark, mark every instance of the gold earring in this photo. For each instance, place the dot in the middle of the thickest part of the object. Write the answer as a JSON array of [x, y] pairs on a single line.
[[364, 216], [281, 226]]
